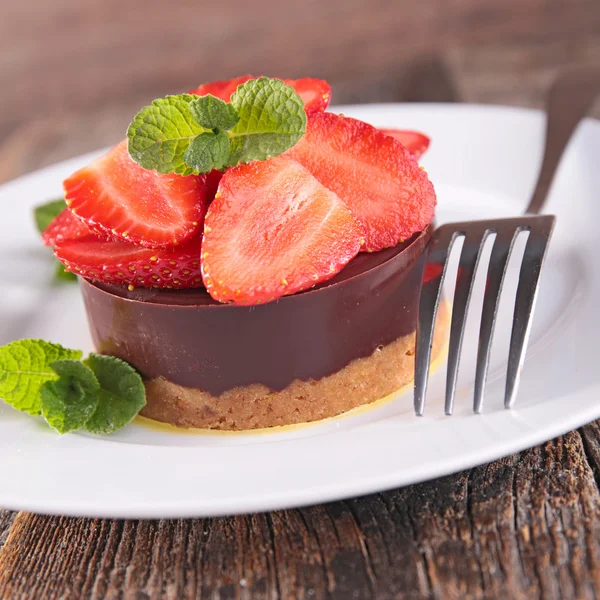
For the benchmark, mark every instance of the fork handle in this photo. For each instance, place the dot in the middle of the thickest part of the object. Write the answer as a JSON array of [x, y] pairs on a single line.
[[568, 101]]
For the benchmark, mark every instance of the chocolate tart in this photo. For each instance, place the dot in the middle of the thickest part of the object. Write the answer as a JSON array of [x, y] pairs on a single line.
[[305, 357]]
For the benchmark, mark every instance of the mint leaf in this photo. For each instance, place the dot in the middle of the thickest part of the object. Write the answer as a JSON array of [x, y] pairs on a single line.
[[25, 367], [75, 369], [213, 113], [208, 151], [69, 402], [121, 395], [102, 394], [160, 134], [272, 120], [61, 276], [44, 213], [188, 134]]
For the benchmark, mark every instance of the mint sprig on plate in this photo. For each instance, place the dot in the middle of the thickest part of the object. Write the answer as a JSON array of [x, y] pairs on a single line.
[[121, 395], [25, 365], [69, 402], [101, 394], [188, 134]]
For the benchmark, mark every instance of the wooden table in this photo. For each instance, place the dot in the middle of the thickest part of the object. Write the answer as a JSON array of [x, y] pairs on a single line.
[[527, 526]]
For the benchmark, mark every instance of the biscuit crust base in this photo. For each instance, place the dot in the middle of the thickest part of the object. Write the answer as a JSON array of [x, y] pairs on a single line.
[[361, 382]]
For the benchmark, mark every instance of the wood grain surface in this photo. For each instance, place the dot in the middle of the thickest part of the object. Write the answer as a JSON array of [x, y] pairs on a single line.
[[527, 526]]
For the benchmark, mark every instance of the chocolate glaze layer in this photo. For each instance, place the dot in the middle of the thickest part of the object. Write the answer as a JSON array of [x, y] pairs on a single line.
[[190, 339]]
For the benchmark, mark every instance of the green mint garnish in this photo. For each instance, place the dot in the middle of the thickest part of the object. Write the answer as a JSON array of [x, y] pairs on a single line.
[[70, 401], [213, 113], [272, 120], [121, 395], [160, 134], [188, 134], [101, 394], [25, 365], [44, 213], [208, 151], [43, 216]]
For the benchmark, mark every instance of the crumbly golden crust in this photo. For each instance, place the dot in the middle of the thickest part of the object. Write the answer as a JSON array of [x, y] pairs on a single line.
[[363, 381]]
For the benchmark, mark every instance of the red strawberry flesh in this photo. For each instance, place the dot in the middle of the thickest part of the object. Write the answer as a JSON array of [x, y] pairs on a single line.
[[212, 185], [221, 89], [315, 93], [372, 173], [117, 197], [414, 141], [274, 230], [65, 226], [127, 264]]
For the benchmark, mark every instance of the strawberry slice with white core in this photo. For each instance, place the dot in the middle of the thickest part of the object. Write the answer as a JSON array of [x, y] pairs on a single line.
[[414, 141], [127, 264], [65, 226], [274, 230], [315, 93], [117, 197], [372, 173]]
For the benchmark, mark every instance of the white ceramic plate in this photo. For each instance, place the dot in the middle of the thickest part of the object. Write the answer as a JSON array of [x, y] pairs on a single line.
[[483, 161]]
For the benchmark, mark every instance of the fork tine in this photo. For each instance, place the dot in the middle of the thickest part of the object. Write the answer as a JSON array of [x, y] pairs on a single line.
[[503, 245], [529, 278], [437, 254], [469, 261]]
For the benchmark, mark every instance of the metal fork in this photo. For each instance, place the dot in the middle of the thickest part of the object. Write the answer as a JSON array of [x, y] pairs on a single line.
[[475, 234], [567, 102]]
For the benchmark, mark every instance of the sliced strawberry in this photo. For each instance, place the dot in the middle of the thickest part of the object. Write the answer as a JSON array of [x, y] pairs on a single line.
[[314, 92], [212, 184], [416, 142], [127, 264], [274, 230], [117, 197], [65, 226], [372, 173], [221, 89]]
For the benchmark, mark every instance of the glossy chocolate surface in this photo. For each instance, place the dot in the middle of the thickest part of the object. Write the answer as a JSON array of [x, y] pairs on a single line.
[[191, 340]]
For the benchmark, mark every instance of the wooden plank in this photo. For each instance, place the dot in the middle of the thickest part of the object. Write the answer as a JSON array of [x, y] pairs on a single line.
[[523, 527], [505, 72], [82, 57], [591, 442], [6, 521]]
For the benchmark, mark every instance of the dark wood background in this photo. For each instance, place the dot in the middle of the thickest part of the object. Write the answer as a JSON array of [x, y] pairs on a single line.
[[74, 72], [528, 526]]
